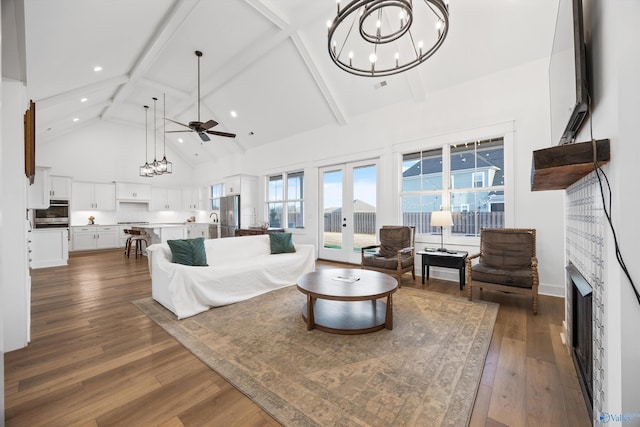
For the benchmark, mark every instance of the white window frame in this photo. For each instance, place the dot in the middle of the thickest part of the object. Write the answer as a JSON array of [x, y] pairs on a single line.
[[284, 200], [505, 130]]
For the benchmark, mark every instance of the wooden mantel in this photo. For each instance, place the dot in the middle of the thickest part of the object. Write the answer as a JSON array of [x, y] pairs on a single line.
[[558, 167]]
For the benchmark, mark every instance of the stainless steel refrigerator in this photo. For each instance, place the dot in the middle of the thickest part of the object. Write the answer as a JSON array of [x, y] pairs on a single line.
[[229, 215]]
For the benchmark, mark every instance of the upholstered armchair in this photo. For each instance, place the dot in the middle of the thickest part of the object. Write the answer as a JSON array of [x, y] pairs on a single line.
[[507, 262], [395, 254]]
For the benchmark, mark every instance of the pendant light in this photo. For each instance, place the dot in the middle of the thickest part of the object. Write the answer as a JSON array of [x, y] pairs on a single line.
[[155, 165], [146, 170], [164, 165]]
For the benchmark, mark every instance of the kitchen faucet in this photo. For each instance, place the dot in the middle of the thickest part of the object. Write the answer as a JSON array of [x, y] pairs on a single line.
[[212, 214]]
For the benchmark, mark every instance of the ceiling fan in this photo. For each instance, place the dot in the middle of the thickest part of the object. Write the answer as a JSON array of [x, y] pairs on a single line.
[[198, 126]]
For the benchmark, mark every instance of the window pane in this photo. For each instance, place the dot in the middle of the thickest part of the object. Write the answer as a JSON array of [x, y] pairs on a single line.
[[295, 186], [477, 164], [364, 206], [215, 204], [416, 210], [332, 206], [275, 214], [474, 210], [422, 171], [295, 215], [216, 190], [274, 190]]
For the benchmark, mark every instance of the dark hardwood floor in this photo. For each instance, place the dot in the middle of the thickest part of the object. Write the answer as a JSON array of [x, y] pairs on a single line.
[[95, 360]]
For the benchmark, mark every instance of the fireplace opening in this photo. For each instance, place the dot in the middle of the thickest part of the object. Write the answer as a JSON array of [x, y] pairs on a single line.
[[581, 332]]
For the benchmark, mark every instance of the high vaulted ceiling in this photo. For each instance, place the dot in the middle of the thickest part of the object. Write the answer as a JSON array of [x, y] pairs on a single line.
[[265, 59]]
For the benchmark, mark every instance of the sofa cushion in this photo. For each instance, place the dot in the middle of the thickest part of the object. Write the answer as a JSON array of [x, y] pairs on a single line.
[[485, 273], [188, 252], [390, 263], [506, 249], [394, 238], [281, 243]]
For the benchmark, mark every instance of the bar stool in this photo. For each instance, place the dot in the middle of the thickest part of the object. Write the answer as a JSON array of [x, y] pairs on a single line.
[[138, 238]]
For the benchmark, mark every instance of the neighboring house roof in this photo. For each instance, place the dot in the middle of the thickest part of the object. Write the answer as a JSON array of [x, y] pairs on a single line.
[[489, 158]]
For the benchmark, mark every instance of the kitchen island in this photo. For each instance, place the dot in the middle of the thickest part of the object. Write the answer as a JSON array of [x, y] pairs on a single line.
[[160, 233]]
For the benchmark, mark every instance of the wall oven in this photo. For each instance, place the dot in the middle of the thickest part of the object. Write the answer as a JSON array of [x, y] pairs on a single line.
[[56, 216]]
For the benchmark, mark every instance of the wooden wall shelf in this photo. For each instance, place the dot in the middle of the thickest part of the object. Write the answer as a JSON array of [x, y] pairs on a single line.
[[558, 167]]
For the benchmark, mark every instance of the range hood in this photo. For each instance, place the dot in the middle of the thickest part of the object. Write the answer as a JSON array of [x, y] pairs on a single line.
[[558, 167]]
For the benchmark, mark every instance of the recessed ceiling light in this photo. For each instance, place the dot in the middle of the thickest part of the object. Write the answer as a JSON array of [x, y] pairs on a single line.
[[233, 113], [83, 100], [75, 119], [180, 140], [97, 68]]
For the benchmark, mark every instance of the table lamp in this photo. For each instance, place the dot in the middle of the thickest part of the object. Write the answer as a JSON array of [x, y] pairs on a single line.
[[441, 219]]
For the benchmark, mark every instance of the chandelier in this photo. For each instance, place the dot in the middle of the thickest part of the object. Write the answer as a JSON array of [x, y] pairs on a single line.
[[375, 38], [157, 167]]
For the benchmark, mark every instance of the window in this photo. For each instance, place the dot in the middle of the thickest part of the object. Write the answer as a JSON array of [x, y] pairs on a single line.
[[475, 194], [285, 200], [216, 193]]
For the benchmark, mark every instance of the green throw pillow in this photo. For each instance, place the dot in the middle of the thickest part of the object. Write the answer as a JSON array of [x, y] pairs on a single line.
[[188, 251], [281, 243]]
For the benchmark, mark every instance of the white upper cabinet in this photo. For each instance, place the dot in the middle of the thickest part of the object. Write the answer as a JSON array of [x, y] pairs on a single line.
[[87, 196], [60, 188], [133, 192], [38, 192], [191, 199], [166, 199]]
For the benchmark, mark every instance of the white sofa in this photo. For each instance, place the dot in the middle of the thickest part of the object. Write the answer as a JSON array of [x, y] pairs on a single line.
[[239, 268]]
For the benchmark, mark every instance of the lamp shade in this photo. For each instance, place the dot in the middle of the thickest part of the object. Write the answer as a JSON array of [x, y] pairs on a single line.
[[441, 219]]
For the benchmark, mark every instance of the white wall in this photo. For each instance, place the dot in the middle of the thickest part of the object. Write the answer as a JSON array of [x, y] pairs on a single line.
[[612, 40], [13, 246], [104, 152], [518, 97]]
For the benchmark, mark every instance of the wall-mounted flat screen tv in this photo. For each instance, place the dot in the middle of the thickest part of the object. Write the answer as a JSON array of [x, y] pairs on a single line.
[[567, 74]]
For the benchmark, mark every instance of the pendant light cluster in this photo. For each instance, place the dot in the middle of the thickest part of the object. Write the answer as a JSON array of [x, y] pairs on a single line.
[[156, 167]]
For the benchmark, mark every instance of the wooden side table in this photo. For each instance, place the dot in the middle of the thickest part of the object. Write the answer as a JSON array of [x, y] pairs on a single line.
[[444, 259]]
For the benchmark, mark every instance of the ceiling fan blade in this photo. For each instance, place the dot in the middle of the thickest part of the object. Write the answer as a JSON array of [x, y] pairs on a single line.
[[228, 135], [203, 136], [177, 131], [178, 123], [209, 124]]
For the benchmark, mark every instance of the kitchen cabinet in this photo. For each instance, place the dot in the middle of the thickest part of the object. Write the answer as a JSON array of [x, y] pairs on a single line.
[[247, 187], [48, 247], [166, 199], [38, 192], [89, 196], [92, 237], [133, 192], [60, 188], [191, 199], [197, 230]]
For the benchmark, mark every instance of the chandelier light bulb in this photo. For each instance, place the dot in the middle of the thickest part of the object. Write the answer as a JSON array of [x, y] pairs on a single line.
[[358, 26], [329, 23]]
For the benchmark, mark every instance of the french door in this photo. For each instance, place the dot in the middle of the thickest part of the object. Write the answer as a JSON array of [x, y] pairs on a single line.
[[348, 200]]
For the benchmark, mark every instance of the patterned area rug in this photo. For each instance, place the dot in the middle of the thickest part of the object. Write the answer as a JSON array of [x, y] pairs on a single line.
[[425, 372]]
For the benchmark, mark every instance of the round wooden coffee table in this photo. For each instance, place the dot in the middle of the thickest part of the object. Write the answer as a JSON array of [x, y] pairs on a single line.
[[338, 305]]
